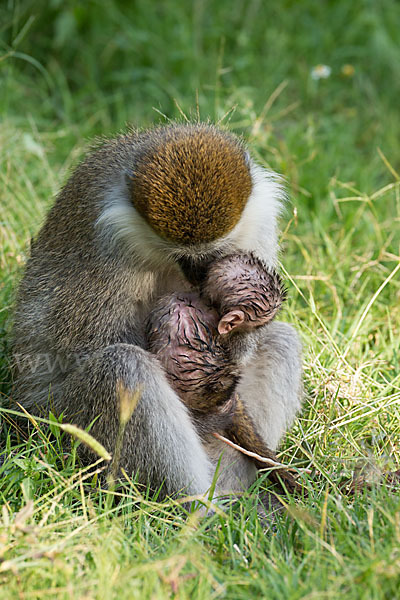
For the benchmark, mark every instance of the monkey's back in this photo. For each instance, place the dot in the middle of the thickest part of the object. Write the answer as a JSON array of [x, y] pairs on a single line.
[[78, 294]]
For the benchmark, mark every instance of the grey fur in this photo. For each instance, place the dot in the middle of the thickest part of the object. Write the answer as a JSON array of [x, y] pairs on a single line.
[[79, 325]]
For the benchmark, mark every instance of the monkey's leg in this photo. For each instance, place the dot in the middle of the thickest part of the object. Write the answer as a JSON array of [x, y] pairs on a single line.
[[160, 441], [271, 389]]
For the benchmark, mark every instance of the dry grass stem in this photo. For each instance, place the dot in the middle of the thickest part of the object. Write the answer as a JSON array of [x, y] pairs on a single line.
[[128, 401], [267, 461]]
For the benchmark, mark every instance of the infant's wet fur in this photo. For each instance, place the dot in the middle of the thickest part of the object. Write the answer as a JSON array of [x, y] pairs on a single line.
[[245, 293], [190, 334], [182, 332]]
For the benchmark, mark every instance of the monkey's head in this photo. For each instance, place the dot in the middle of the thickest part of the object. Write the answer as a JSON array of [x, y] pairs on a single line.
[[191, 184], [192, 193]]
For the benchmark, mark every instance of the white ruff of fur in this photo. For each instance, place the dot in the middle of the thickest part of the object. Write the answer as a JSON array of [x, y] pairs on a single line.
[[120, 224], [257, 230]]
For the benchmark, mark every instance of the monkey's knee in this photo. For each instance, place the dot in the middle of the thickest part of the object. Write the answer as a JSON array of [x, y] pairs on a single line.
[[160, 442], [90, 392], [283, 348], [283, 343]]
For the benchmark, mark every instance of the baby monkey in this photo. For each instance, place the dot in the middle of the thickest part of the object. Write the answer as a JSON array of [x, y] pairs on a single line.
[[191, 334]]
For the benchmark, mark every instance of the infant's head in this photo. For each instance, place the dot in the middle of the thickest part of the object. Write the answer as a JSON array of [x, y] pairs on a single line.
[[244, 292]]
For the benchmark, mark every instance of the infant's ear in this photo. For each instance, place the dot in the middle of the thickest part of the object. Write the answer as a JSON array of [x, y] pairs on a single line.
[[232, 320]]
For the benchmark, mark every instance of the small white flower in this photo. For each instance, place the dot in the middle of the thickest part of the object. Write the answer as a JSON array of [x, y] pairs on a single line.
[[321, 72]]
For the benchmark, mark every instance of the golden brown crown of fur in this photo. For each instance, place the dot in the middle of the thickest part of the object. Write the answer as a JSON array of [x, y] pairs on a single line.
[[191, 183]]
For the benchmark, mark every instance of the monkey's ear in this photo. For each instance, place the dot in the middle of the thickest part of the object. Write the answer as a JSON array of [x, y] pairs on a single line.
[[230, 321]]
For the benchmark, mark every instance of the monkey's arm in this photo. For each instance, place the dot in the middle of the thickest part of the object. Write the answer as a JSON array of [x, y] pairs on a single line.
[[271, 391]]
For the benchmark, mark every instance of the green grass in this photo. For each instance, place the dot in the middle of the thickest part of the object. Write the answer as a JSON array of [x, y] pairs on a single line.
[[70, 71]]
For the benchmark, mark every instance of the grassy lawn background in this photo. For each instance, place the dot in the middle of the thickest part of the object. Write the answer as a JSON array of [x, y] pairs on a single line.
[[70, 71]]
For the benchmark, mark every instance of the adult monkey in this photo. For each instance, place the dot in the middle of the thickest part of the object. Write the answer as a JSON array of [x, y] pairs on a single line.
[[141, 217]]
